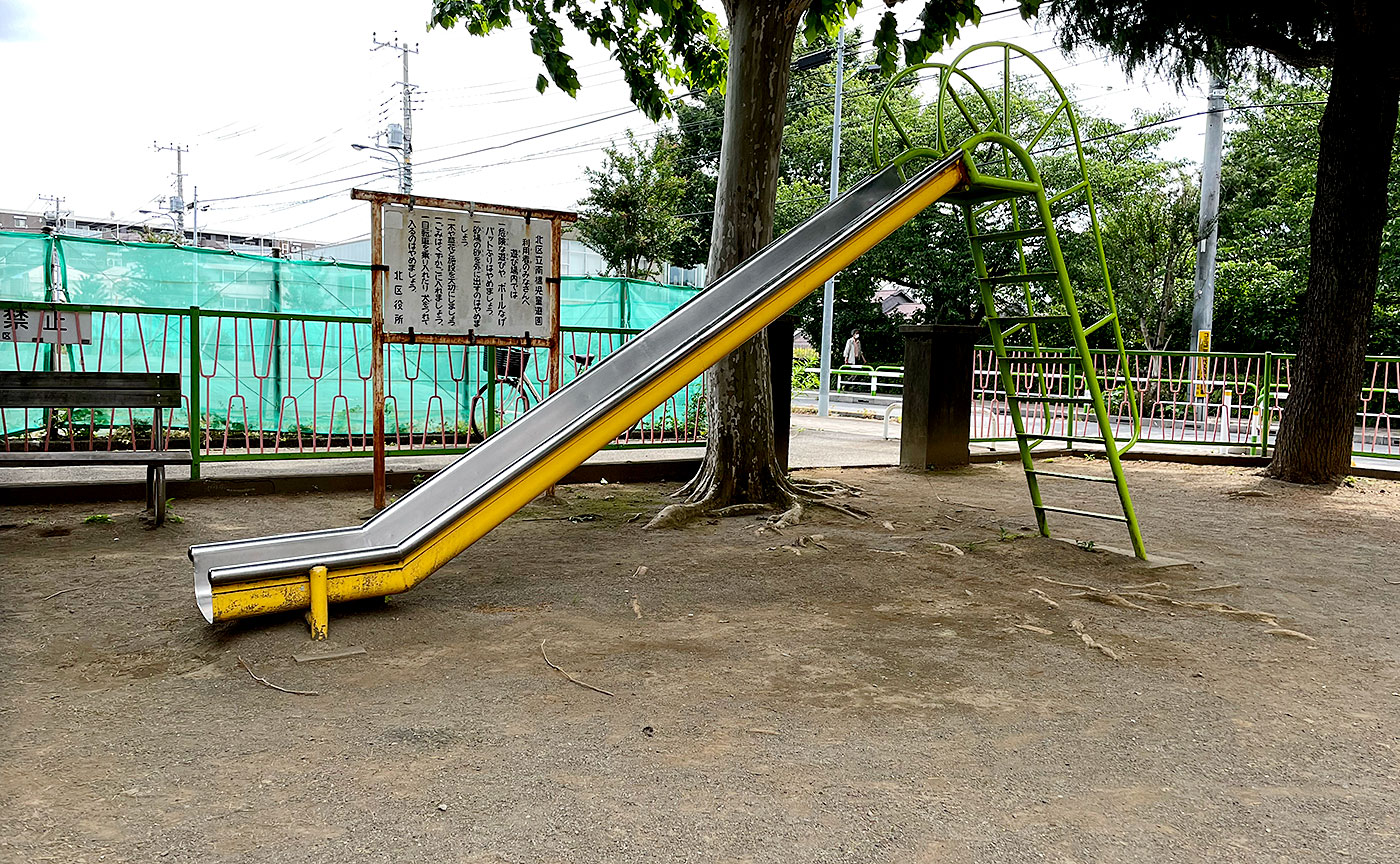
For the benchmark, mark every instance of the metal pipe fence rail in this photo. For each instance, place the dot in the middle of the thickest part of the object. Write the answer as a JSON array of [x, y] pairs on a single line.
[[1232, 401], [888, 380], [266, 385], [270, 385], [1240, 409]]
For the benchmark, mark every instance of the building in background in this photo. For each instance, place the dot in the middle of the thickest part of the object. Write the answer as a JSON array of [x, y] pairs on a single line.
[[898, 301], [111, 229]]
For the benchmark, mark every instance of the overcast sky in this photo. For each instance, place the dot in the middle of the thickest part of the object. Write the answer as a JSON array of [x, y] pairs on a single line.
[[269, 96]]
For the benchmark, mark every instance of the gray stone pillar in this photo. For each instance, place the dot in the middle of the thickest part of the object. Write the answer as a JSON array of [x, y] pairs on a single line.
[[937, 412]]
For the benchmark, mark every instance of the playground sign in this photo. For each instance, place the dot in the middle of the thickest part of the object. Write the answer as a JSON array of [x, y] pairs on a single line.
[[450, 272], [467, 273], [51, 328]]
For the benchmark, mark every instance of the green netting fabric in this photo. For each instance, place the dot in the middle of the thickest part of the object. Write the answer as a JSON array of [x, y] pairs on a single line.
[[649, 302], [104, 272], [585, 301], [297, 374], [605, 301], [22, 258]]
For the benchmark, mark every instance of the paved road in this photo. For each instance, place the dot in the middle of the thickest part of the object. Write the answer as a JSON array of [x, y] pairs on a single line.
[[843, 440]]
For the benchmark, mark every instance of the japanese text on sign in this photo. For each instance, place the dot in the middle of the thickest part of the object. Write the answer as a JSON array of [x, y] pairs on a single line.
[[54, 328], [1202, 364], [467, 274]]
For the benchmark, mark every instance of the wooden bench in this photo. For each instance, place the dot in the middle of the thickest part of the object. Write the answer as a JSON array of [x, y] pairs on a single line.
[[156, 391]]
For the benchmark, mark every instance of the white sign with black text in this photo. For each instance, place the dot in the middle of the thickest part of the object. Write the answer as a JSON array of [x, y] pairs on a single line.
[[455, 273], [54, 328]]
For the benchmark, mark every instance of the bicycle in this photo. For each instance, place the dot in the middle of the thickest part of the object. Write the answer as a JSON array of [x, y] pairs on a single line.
[[518, 392]]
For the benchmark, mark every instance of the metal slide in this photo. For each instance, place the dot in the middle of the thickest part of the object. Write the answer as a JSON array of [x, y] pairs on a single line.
[[425, 529]]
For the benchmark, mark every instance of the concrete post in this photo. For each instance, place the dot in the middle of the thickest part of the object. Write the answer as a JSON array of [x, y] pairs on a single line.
[[780, 334], [937, 415]]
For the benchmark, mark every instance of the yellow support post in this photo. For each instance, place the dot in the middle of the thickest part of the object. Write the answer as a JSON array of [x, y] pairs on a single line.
[[318, 616]]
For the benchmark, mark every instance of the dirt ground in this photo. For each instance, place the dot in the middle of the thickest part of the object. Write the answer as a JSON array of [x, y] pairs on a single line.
[[867, 697]]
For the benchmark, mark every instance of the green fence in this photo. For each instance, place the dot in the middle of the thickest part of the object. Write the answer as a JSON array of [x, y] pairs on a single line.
[[274, 355]]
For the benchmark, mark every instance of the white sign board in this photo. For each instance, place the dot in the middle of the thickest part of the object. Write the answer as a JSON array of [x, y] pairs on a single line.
[[55, 328], [454, 273]]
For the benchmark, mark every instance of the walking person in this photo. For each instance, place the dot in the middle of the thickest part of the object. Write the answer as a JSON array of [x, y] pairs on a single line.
[[852, 353]]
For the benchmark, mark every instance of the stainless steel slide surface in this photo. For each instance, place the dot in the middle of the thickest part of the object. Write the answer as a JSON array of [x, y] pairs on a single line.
[[625, 380]]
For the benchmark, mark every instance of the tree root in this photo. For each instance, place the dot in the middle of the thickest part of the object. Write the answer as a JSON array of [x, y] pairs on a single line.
[[679, 515], [853, 512], [740, 509], [792, 497], [789, 517], [823, 487], [1078, 627]]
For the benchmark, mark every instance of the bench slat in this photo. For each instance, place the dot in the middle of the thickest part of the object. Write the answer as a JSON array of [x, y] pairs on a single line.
[[39, 458], [89, 390], [72, 398], [102, 380]]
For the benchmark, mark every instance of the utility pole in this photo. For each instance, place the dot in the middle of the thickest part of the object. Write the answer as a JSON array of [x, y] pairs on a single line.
[[829, 290], [406, 169], [194, 208], [56, 220], [1202, 314], [177, 204]]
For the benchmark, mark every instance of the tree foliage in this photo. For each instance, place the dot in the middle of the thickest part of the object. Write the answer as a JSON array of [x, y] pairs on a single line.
[[1183, 38], [1150, 244], [666, 45], [1268, 182], [657, 43], [1347, 224], [630, 213]]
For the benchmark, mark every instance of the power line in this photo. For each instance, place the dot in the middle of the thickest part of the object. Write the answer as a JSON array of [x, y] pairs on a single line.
[[515, 142], [1181, 117], [478, 151]]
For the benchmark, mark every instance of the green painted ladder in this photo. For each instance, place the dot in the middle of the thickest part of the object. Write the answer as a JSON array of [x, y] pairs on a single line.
[[1021, 272]]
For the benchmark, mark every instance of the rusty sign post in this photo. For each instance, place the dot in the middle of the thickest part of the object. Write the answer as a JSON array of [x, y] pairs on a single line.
[[448, 272]]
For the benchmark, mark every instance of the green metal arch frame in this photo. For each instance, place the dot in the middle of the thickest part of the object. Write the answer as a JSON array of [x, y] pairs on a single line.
[[949, 75], [1018, 180], [883, 109]]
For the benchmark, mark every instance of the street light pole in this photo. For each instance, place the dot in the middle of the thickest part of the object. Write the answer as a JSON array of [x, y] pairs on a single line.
[[177, 204], [174, 223], [405, 183], [829, 290], [406, 163]]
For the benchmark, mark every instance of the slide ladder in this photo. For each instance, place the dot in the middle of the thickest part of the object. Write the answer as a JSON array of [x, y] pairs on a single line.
[[1024, 283]]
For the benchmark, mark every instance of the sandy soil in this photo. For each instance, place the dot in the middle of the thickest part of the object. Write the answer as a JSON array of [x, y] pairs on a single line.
[[873, 698]]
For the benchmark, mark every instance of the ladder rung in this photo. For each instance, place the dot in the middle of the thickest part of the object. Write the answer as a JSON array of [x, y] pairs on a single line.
[[1009, 235], [1088, 513], [1031, 361], [1032, 276], [1050, 436], [1097, 324], [1070, 191], [1054, 400], [1027, 319], [1086, 477]]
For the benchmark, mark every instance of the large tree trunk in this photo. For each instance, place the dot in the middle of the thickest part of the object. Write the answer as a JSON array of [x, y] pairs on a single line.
[[1349, 212], [740, 464]]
